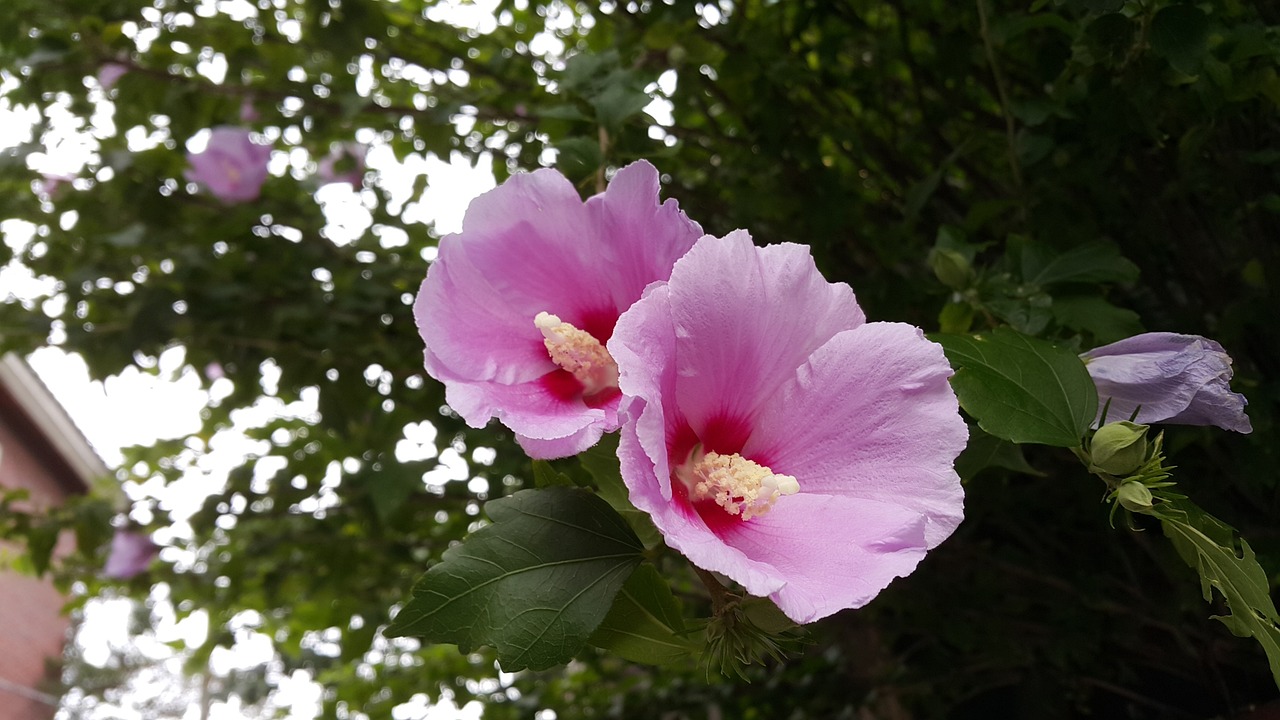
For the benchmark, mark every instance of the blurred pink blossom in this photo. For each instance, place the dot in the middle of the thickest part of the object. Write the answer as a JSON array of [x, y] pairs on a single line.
[[110, 73], [131, 555], [248, 113], [232, 167]]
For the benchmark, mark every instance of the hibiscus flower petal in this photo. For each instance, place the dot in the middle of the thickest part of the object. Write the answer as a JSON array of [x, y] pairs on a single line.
[[683, 529], [640, 239], [745, 318], [528, 409], [532, 246], [642, 345], [870, 415], [1167, 377], [835, 552]]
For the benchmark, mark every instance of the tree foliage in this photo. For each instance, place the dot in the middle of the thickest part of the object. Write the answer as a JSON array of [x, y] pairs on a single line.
[[1074, 169]]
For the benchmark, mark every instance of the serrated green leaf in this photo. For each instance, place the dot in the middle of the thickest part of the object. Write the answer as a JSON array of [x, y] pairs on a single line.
[[1022, 389], [1209, 546], [601, 462], [1093, 314], [645, 624], [533, 585], [1095, 262]]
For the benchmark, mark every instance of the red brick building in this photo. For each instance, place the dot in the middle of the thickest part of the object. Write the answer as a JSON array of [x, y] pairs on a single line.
[[43, 451]]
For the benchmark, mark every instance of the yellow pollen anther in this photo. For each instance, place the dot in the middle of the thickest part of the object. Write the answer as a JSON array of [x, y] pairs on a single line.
[[579, 353], [740, 486]]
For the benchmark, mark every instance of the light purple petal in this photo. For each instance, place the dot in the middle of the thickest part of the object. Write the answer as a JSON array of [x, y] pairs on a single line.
[[834, 552], [871, 415], [564, 446], [131, 554], [745, 319], [530, 246], [110, 73], [1167, 377]]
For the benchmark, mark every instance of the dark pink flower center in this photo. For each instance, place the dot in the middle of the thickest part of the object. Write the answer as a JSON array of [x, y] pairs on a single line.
[[712, 479], [586, 370]]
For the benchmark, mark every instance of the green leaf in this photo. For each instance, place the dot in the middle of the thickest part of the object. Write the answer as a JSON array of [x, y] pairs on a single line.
[[1180, 34], [955, 318], [1022, 389], [578, 156], [985, 450], [546, 476], [533, 585], [1110, 36], [618, 102], [1209, 545], [389, 489], [601, 462], [1093, 314], [1096, 262], [645, 624]]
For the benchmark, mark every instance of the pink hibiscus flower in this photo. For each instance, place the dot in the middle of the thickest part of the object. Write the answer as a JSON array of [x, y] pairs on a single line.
[[776, 437], [232, 166], [517, 308]]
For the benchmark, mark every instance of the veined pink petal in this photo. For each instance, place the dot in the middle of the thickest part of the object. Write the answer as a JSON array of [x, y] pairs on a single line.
[[745, 318], [641, 240], [682, 528], [643, 344], [527, 408], [863, 421], [871, 415], [532, 246], [849, 550]]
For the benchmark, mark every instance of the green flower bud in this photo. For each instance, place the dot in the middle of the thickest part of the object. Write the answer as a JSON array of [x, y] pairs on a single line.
[[952, 268], [1118, 448], [1134, 496]]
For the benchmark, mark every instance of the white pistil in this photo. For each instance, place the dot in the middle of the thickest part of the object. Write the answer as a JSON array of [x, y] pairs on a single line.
[[579, 353], [740, 486]]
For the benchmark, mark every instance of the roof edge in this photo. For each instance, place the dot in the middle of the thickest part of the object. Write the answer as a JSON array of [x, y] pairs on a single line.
[[51, 419]]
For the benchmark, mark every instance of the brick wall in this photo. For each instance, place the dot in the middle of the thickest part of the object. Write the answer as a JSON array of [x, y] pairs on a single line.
[[32, 627]]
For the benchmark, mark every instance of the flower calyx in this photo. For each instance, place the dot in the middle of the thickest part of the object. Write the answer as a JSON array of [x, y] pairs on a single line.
[[1118, 449]]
